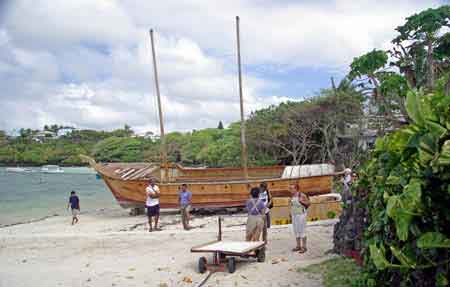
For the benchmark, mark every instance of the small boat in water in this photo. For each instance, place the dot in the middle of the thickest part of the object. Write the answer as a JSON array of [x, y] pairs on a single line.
[[51, 169], [18, 169]]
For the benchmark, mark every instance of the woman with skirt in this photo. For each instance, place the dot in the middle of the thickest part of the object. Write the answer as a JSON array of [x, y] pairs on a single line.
[[255, 220], [299, 204]]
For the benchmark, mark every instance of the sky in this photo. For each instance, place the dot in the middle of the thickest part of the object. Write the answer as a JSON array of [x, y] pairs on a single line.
[[87, 64]]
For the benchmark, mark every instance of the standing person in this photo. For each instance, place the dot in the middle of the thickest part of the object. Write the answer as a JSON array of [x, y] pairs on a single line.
[[299, 204], [255, 222], [266, 197], [347, 181], [74, 204], [185, 201], [152, 203]]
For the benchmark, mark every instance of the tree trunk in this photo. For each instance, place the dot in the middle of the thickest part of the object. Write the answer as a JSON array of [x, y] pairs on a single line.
[[447, 87], [430, 65]]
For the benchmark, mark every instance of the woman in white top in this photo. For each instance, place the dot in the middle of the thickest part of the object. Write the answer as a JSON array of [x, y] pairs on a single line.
[[299, 204], [266, 197], [152, 204]]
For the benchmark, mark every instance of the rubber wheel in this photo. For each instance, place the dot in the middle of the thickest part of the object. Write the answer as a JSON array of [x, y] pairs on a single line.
[[202, 265], [261, 255], [231, 264]]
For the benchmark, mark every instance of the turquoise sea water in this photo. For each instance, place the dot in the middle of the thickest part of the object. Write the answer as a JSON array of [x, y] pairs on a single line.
[[34, 195]]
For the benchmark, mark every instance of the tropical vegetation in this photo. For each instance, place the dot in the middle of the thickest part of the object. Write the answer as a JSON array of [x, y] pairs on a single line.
[[404, 186]]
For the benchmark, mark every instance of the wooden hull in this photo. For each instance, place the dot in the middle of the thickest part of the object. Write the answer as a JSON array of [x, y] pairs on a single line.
[[216, 192]]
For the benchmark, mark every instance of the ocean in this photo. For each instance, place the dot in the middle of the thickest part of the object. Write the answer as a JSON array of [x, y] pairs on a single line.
[[34, 195]]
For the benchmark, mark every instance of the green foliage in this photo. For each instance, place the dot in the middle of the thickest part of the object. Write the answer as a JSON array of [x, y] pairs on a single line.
[[336, 272], [331, 214], [368, 64], [119, 149], [424, 24], [408, 178]]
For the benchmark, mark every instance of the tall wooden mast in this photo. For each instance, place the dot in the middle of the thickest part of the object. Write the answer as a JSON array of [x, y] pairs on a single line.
[[161, 120], [243, 141]]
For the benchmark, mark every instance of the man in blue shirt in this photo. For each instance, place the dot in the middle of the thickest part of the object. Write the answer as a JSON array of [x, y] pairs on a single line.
[[74, 204], [185, 201]]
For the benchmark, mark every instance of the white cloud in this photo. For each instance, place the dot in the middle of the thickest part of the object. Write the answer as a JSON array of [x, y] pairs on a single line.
[[88, 63]]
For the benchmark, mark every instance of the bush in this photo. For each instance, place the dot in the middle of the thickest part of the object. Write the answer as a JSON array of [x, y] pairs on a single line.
[[407, 239], [331, 214]]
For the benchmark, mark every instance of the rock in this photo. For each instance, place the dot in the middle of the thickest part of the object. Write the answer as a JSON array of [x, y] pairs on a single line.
[[276, 261], [187, 279], [24, 261]]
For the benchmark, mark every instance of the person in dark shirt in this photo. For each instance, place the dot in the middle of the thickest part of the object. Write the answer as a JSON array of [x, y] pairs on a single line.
[[74, 204]]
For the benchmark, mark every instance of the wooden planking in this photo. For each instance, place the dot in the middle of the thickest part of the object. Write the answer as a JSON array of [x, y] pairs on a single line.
[[212, 194]]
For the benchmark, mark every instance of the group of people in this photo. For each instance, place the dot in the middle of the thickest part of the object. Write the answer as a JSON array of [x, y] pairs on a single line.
[[152, 205], [258, 208]]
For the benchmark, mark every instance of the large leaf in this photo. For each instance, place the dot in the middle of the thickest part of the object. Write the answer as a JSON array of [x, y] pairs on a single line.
[[433, 240], [425, 107], [405, 256], [393, 180], [436, 128], [378, 257], [441, 279], [444, 157], [413, 107], [427, 148], [402, 208], [412, 194], [394, 203]]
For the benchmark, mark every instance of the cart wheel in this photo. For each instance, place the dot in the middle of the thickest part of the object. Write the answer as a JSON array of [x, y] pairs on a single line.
[[231, 264], [261, 255], [202, 265]]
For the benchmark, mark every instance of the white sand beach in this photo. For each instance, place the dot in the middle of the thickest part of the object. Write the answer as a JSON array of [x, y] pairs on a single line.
[[111, 248]]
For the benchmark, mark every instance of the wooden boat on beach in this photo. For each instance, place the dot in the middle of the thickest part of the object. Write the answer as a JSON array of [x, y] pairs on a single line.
[[211, 187]]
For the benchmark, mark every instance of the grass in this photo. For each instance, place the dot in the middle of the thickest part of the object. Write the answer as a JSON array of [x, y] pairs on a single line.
[[335, 272]]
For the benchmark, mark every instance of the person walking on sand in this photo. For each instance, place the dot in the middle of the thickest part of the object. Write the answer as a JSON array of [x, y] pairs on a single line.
[[299, 204], [152, 204], [266, 197], [74, 204], [185, 201], [255, 221]]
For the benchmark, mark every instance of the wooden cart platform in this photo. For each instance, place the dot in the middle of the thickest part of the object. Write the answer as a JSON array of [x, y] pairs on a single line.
[[231, 249]]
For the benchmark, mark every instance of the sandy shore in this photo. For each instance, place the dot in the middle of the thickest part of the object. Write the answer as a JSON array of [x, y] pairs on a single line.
[[111, 248]]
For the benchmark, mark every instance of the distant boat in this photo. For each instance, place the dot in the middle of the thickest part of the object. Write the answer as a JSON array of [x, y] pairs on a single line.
[[18, 169], [51, 169]]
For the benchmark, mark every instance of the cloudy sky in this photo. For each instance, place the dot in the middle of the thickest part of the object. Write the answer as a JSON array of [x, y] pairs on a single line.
[[87, 63]]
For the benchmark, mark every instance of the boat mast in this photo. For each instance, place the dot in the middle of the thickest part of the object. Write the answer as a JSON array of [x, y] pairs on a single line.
[[161, 121], [243, 143]]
